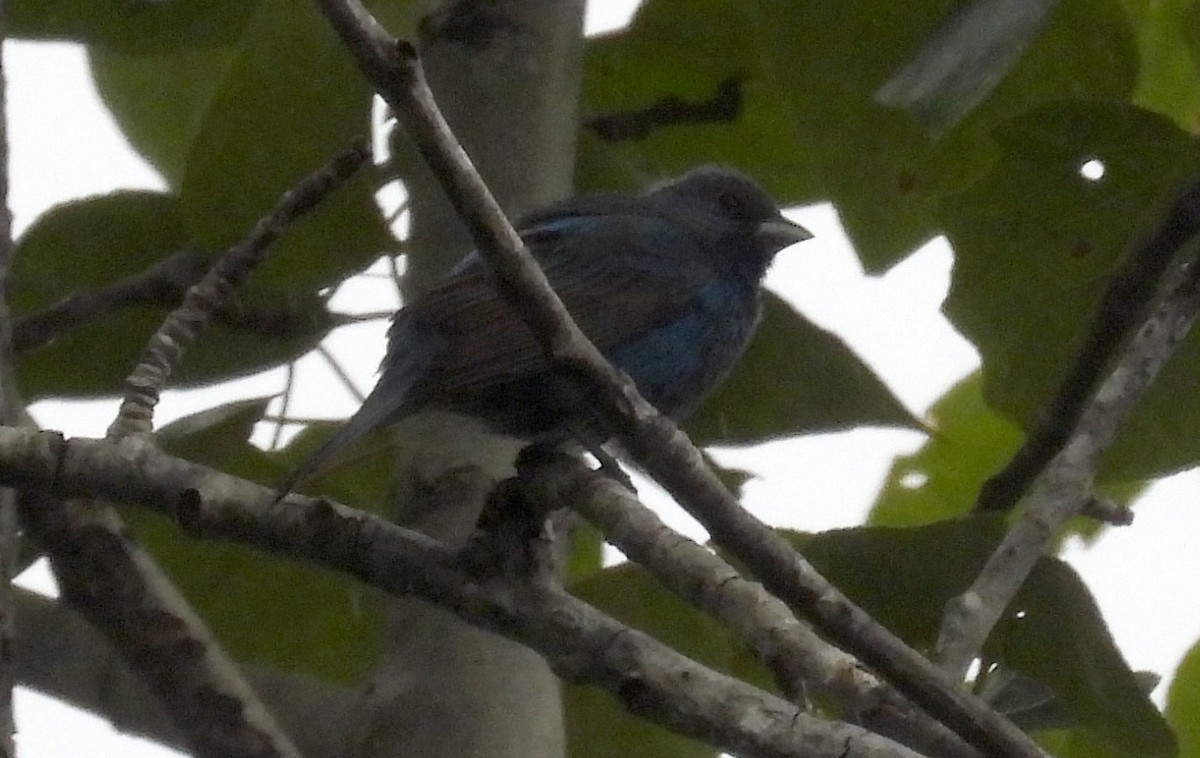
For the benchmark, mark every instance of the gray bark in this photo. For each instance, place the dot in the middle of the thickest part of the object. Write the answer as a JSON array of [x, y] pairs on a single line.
[[506, 75]]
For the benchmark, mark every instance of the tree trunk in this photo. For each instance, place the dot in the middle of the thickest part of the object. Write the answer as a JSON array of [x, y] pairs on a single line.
[[506, 74]]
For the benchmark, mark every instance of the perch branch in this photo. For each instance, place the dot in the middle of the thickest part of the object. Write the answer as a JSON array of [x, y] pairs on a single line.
[[787, 646], [583, 645]]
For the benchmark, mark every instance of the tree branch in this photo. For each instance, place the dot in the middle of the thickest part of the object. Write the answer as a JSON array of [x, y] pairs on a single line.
[[165, 348], [654, 442], [1065, 487], [799, 658], [104, 573], [99, 679], [582, 644], [164, 282], [724, 107], [109, 578], [1125, 300]]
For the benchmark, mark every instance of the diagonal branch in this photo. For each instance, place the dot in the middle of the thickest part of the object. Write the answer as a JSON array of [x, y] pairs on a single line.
[[105, 574], [112, 581], [99, 679], [799, 658], [582, 644], [1065, 487], [654, 442], [1124, 303], [165, 348]]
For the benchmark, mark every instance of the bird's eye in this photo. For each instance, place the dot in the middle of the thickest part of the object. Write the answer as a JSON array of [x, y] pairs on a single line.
[[730, 203]]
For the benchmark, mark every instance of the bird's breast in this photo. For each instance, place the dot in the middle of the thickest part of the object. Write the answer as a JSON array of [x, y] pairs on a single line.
[[679, 361]]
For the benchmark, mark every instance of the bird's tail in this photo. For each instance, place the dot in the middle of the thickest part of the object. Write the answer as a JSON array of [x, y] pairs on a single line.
[[385, 405]]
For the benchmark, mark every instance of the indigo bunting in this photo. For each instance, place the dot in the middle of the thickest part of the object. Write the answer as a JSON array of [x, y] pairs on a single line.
[[666, 284]]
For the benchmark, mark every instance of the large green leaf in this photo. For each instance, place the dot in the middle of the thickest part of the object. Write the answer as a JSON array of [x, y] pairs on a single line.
[[232, 127], [291, 99], [133, 27], [264, 609], [1035, 245], [1183, 704], [87, 244], [807, 125], [967, 444], [1052, 632], [160, 99], [795, 378], [1168, 34]]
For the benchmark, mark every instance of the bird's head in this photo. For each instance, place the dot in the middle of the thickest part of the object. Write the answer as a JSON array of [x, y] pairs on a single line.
[[735, 199]]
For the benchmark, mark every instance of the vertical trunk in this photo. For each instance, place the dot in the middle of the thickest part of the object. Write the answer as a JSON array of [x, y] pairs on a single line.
[[506, 73], [11, 412]]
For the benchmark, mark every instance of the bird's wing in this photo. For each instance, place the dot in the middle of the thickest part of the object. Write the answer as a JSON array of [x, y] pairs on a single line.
[[619, 274]]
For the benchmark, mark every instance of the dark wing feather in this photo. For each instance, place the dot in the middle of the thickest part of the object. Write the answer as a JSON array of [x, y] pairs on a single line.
[[593, 262]]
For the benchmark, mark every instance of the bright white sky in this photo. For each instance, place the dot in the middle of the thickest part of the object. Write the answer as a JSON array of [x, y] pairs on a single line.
[[65, 146]]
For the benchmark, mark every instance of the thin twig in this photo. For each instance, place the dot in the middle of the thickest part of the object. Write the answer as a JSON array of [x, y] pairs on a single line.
[[1065, 487], [285, 402], [654, 442], [165, 349], [162, 283], [340, 373], [583, 645], [359, 318]]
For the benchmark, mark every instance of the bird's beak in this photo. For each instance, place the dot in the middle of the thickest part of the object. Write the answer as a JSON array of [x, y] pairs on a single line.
[[779, 232]]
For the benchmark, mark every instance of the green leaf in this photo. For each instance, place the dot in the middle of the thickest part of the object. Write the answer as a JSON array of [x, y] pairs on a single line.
[[1081, 663], [1052, 632], [968, 444], [1078, 743], [291, 99], [160, 100], [807, 125], [1035, 244], [263, 609], [1183, 704], [585, 553], [87, 244], [233, 127], [132, 27], [795, 378], [1168, 34]]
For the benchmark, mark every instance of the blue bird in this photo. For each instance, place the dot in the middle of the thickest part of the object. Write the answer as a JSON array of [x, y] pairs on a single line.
[[666, 284]]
